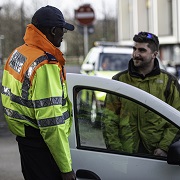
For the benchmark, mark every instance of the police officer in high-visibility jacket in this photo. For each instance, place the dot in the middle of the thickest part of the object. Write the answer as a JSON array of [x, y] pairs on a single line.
[[35, 100]]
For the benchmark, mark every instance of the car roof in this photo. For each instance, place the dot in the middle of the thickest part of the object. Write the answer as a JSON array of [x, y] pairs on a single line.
[[111, 49]]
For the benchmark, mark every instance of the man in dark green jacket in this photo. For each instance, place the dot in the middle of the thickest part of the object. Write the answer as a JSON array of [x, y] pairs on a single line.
[[132, 128]]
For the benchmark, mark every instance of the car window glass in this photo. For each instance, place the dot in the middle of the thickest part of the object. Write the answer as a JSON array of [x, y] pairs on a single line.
[[116, 124], [114, 61]]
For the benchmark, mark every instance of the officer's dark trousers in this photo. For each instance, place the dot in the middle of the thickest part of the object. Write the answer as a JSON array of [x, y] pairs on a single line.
[[37, 162]]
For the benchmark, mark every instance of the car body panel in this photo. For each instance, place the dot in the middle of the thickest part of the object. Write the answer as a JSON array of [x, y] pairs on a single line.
[[106, 74], [119, 166], [114, 167]]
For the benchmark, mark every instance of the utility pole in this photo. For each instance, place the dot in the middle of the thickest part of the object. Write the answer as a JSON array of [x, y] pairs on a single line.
[[85, 16], [1, 42], [104, 21], [22, 20]]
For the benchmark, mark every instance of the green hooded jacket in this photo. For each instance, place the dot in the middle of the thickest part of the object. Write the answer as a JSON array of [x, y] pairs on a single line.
[[127, 124]]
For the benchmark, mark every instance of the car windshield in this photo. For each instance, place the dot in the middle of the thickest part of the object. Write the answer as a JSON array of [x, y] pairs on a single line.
[[113, 62]]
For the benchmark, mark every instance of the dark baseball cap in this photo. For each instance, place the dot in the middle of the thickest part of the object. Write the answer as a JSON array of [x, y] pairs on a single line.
[[50, 16]]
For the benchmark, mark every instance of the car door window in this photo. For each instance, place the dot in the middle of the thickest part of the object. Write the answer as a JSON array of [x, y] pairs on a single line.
[[116, 124]]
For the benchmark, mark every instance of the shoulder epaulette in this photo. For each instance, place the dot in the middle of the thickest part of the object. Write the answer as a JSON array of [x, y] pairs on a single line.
[[50, 57]]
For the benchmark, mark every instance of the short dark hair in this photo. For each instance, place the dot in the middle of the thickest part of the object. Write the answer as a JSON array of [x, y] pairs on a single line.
[[146, 37]]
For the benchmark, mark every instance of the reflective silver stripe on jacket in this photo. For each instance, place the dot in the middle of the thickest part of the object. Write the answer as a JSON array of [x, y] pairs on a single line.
[[14, 114], [53, 121], [42, 122], [36, 103], [26, 82]]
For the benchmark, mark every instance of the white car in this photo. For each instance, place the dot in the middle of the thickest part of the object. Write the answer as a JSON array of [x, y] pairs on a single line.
[[117, 57], [92, 160]]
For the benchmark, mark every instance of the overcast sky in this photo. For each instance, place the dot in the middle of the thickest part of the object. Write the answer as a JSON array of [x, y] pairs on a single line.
[[100, 7]]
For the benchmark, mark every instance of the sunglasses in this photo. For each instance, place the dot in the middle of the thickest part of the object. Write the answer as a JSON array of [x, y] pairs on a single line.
[[148, 36]]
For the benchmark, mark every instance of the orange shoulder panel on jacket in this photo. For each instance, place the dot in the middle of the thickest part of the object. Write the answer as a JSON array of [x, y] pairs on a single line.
[[28, 52]]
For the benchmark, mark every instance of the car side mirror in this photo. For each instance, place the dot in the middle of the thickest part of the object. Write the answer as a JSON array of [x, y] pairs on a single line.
[[87, 67], [173, 155]]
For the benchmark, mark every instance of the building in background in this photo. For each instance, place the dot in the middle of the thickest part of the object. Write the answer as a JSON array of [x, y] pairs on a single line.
[[160, 17]]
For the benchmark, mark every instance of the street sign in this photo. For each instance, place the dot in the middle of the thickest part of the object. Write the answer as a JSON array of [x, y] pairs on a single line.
[[89, 27], [85, 15]]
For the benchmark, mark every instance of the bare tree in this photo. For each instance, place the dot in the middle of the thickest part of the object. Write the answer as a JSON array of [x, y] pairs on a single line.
[[14, 19], [10, 27]]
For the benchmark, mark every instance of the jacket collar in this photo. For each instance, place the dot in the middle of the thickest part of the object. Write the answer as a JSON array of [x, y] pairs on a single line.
[[34, 37], [133, 70]]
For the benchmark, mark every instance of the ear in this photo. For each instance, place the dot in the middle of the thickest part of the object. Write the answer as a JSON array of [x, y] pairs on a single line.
[[53, 31], [155, 54]]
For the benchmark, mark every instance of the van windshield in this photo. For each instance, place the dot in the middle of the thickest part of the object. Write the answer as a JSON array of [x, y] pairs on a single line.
[[113, 62]]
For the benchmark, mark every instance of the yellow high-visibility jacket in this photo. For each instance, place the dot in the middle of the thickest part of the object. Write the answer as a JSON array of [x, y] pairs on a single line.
[[34, 94]]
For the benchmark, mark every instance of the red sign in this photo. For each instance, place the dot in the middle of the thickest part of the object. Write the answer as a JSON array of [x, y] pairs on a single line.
[[85, 15]]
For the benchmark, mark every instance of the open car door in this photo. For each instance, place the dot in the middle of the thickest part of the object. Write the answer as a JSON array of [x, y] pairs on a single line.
[[91, 157]]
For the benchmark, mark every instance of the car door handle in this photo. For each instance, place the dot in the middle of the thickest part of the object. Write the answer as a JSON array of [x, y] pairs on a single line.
[[83, 174]]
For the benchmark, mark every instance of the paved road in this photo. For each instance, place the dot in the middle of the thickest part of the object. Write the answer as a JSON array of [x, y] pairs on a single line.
[[9, 158], [10, 168]]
